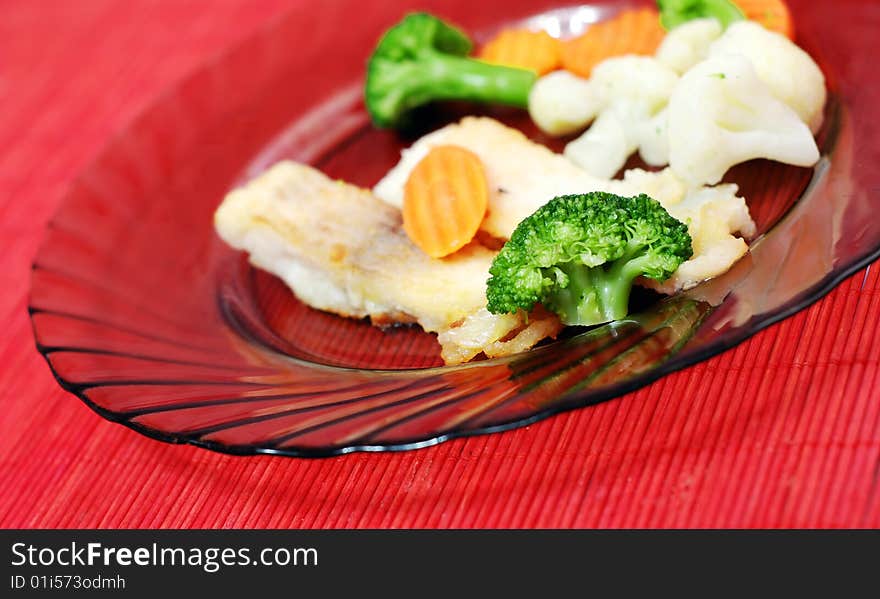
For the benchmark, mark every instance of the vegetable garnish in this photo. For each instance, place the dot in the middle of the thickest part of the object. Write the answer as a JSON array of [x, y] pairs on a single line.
[[445, 200], [772, 14], [675, 12], [631, 32], [578, 255], [523, 48], [422, 59]]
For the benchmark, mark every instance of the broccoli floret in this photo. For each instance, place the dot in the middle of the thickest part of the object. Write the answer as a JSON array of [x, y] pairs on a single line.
[[578, 255], [422, 59], [675, 12]]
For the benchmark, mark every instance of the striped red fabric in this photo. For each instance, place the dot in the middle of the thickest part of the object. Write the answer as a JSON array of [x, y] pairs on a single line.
[[782, 431]]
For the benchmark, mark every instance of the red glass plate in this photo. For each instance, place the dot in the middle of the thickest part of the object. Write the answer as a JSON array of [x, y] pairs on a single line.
[[146, 316]]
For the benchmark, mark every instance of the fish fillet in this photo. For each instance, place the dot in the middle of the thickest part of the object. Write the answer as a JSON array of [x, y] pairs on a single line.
[[522, 175], [342, 250]]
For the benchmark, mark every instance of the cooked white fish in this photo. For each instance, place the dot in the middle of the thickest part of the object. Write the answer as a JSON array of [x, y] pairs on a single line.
[[342, 250], [717, 220], [522, 175]]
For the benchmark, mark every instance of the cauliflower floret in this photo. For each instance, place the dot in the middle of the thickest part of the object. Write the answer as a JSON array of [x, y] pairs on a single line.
[[561, 103], [632, 92], [791, 74], [688, 44], [652, 136], [715, 216], [640, 80], [722, 114], [604, 148]]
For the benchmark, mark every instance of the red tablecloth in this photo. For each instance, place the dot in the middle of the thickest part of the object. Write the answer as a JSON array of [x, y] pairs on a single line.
[[784, 430]]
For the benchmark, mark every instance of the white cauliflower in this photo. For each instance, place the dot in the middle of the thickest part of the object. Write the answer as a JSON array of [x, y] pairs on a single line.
[[641, 81], [721, 114], [791, 74], [688, 44], [735, 102], [632, 92], [652, 136], [561, 103], [604, 148]]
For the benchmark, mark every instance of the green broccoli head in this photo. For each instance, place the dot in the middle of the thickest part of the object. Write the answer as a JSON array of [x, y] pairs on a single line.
[[419, 30], [578, 255], [675, 12], [422, 59]]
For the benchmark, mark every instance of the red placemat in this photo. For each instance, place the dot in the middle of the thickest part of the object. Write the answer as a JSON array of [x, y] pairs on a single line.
[[784, 430]]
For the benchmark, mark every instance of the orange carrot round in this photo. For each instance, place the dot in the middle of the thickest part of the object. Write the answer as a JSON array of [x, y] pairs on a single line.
[[636, 31], [772, 14], [523, 48], [445, 200]]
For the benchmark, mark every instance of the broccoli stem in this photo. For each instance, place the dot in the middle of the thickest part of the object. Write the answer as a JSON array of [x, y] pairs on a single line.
[[598, 294], [460, 78]]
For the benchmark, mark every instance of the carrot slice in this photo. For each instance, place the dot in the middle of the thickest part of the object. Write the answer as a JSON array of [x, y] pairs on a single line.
[[772, 14], [636, 31], [523, 48], [445, 200]]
